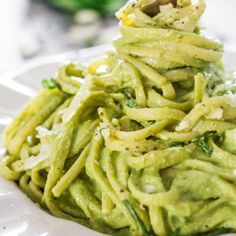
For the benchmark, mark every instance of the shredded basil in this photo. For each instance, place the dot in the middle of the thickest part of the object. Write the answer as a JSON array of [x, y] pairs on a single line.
[[128, 93], [129, 100], [209, 90], [137, 218], [131, 103], [202, 141], [203, 144], [49, 83]]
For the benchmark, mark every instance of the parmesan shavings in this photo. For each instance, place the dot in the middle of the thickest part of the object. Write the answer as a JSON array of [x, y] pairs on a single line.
[[182, 125], [216, 114], [149, 188], [33, 161]]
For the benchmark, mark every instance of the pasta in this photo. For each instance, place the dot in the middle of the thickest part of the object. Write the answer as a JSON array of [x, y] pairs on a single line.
[[139, 142]]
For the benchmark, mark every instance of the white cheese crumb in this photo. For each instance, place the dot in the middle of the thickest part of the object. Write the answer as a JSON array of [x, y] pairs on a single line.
[[42, 131], [182, 125], [102, 69], [33, 161], [29, 139], [149, 188], [216, 114]]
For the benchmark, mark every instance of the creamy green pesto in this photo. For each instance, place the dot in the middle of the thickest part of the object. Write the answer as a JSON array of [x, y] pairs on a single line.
[[139, 142]]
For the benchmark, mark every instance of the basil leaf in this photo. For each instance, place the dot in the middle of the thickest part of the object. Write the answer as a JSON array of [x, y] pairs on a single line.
[[49, 83], [128, 93], [131, 103], [129, 100], [203, 144], [202, 141], [137, 218]]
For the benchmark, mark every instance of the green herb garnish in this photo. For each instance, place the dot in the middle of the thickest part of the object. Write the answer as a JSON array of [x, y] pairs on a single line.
[[131, 103], [129, 100], [137, 218], [49, 83], [203, 144], [209, 90], [202, 141], [128, 93]]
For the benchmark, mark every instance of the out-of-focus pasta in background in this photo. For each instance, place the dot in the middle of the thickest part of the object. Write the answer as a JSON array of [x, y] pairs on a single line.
[[36, 28]]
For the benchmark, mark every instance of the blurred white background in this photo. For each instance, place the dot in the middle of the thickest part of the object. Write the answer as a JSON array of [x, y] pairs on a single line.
[[30, 30]]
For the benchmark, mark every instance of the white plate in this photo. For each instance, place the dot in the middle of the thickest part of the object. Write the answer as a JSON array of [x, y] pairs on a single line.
[[18, 215]]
